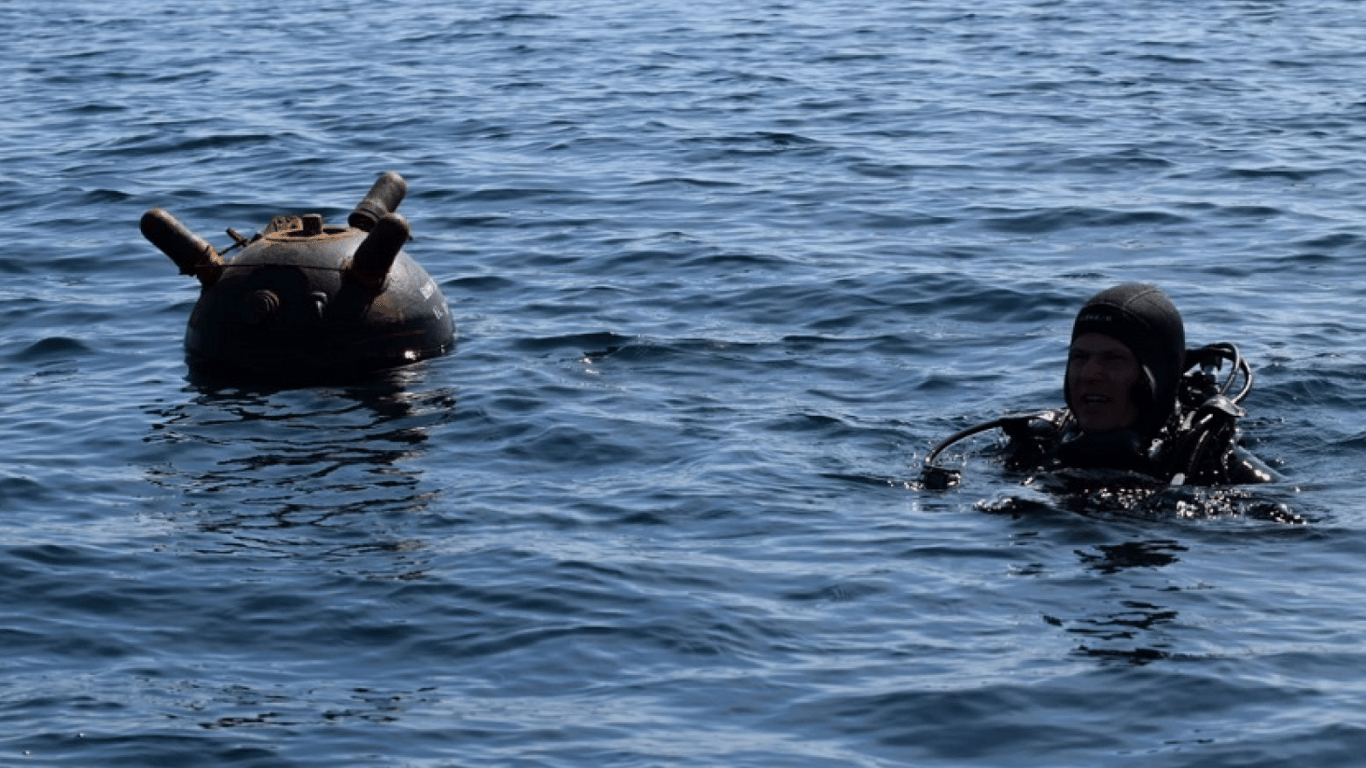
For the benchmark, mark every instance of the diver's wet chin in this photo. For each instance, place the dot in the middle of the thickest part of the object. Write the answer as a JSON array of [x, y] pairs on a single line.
[[1101, 415]]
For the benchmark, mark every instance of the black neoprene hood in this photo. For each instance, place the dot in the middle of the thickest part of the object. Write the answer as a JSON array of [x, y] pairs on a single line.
[[1141, 317]]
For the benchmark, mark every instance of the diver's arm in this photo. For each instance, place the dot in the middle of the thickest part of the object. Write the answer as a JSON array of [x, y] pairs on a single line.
[[1246, 469]]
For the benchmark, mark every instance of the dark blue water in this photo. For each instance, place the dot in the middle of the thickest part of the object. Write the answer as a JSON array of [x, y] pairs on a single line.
[[723, 274]]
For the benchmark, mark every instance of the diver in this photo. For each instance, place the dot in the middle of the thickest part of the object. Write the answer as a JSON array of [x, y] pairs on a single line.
[[1136, 401]]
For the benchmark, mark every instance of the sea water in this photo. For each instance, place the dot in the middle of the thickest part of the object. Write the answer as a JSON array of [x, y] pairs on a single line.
[[723, 275]]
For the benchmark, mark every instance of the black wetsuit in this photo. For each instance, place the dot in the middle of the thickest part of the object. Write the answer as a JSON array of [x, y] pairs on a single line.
[[1199, 449], [1198, 444]]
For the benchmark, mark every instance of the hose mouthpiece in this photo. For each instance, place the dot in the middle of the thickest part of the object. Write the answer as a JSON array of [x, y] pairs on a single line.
[[936, 478]]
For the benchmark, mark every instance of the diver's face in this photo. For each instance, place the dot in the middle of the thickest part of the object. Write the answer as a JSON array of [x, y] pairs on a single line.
[[1101, 377]]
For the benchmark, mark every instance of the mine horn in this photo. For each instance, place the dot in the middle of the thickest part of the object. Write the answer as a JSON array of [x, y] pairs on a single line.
[[383, 198], [369, 266], [189, 251]]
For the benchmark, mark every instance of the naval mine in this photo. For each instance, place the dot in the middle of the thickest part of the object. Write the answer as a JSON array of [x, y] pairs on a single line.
[[308, 299]]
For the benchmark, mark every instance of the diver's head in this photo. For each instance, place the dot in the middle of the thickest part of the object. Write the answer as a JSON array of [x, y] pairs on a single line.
[[1125, 361]]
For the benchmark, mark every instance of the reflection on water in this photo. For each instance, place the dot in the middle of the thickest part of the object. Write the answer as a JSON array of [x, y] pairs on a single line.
[[279, 469], [1113, 558], [1131, 629]]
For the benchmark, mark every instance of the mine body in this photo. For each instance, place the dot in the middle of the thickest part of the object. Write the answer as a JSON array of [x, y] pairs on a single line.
[[305, 299]]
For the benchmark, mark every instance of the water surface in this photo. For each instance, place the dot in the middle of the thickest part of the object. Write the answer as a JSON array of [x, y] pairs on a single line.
[[722, 277]]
